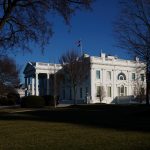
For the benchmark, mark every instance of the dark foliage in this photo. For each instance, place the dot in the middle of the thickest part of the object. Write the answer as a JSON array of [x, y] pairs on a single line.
[[32, 102], [7, 101], [26, 21], [132, 30], [9, 75], [14, 96], [75, 68], [49, 100]]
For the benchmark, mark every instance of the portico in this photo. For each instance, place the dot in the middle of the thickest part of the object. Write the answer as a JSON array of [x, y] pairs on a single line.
[[38, 79]]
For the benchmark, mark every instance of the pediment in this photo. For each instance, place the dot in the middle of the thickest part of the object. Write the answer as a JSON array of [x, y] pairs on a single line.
[[29, 68]]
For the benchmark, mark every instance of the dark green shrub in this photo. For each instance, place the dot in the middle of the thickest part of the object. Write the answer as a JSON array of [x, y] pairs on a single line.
[[49, 100], [32, 102], [7, 101], [3, 101], [11, 101], [13, 98]]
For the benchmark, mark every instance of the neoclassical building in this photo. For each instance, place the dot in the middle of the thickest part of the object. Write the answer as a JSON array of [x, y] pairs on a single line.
[[109, 77]]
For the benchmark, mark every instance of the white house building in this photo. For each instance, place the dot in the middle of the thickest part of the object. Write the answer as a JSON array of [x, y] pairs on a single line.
[[116, 77]]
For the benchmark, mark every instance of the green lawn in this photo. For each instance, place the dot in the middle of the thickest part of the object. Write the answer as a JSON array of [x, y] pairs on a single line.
[[89, 128]]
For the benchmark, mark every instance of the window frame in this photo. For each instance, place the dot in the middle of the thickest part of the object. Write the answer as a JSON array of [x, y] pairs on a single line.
[[109, 89], [142, 77], [133, 76], [98, 74], [81, 93], [109, 75]]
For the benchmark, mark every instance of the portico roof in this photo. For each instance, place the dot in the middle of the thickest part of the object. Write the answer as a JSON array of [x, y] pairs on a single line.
[[30, 68]]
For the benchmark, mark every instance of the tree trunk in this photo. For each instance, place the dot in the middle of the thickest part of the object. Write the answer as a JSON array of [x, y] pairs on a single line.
[[74, 92], [147, 85]]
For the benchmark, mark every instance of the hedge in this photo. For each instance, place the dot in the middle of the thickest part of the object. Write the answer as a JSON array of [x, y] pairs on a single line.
[[32, 102]]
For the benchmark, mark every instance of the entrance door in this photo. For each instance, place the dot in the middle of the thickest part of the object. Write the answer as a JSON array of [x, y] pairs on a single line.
[[122, 91]]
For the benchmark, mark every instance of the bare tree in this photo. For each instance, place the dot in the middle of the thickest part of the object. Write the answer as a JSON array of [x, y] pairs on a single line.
[[101, 93], [139, 85], [76, 69], [139, 92], [9, 75], [133, 32], [57, 78], [28, 21]]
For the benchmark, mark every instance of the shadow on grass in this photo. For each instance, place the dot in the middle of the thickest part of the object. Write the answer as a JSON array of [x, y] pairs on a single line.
[[120, 117]]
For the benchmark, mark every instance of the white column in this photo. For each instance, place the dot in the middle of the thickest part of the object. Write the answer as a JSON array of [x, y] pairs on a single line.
[[114, 81], [36, 85], [128, 88], [48, 84], [102, 76], [33, 92], [92, 84]]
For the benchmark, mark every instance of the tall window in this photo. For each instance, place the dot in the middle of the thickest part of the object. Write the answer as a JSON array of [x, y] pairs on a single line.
[[98, 91], [133, 76], [64, 94], [70, 95], [142, 77], [125, 91], [122, 91], [142, 91], [97, 74], [86, 90], [80, 92], [109, 75], [109, 91]]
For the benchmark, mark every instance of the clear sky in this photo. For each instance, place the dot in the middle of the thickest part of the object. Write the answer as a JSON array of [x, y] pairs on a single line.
[[94, 28]]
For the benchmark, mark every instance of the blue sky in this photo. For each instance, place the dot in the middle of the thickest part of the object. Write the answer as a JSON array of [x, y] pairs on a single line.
[[94, 28]]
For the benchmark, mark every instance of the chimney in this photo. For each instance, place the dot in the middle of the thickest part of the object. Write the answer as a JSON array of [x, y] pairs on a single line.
[[137, 59], [103, 55]]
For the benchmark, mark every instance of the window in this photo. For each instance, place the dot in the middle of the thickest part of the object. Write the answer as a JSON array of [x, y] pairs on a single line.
[[133, 76], [122, 91], [109, 75], [70, 95], [118, 91], [142, 77], [98, 91], [63, 93], [109, 91], [125, 91], [80, 92], [86, 90], [142, 91], [121, 76], [97, 74]]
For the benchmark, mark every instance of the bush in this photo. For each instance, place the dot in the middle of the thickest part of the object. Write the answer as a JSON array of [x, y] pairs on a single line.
[[49, 100], [32, 102], [13, 97], [7, 101], [3, 101]]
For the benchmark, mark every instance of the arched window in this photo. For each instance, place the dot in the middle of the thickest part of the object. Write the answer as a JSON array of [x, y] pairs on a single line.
[[121, 76]]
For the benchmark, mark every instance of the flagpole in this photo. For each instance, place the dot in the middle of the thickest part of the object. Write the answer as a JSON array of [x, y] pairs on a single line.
[[81, 48]]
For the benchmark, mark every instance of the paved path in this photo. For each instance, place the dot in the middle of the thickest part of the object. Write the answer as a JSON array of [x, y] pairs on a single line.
[[63, 105], [5, 107]]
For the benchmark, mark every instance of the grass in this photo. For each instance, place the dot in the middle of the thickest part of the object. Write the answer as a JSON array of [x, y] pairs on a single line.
[[92, 127]]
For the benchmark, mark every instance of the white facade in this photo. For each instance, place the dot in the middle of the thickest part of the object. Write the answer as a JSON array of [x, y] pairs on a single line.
[[118, 78]]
